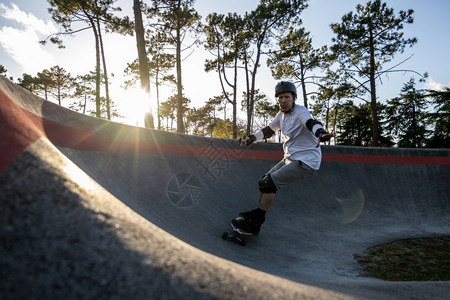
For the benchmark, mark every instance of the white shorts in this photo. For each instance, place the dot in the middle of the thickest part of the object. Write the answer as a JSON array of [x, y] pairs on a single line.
[[287, 171]]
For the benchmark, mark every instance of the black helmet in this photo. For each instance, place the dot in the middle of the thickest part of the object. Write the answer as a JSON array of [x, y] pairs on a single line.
[[285, 86]]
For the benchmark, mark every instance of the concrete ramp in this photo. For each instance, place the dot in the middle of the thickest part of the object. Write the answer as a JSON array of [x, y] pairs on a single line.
[[96, 209]]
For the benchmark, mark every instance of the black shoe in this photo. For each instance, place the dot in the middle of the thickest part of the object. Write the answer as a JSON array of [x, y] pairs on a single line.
[[245, 226], [257, 215], [246, 215]]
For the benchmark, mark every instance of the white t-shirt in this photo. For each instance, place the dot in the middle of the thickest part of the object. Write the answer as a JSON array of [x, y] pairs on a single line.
[[299, 143]]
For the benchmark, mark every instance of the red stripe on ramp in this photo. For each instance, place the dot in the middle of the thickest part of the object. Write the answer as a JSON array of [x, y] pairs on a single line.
[[382, 159], [20, 128], [17, 131]]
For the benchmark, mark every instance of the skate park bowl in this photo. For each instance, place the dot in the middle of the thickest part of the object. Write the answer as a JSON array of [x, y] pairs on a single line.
[[96, 209]]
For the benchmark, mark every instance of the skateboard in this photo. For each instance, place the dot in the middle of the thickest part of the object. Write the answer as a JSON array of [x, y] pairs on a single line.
[[235, 237]]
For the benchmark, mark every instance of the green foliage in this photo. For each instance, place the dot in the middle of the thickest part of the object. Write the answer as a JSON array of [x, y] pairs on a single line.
[[372, 32], [56, 82], [439, 119], [28, 82], [269, 19], [176, 15], [407, 117], [228, 41], [92, 14], [166, 110], [296, 58], [224, 129], [176, 19], [87, 12], [364, 41], [355, 129], [354, 125], [2, 70]]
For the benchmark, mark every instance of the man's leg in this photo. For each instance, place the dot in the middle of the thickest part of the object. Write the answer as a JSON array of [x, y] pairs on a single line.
[[266, 200], [251, 221], [283, 175]]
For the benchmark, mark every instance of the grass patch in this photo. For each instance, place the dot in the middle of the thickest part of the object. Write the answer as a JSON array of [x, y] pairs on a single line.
[[421, 259]]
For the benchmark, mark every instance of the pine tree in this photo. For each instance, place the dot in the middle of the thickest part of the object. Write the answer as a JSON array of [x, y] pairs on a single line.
[[364, 41]]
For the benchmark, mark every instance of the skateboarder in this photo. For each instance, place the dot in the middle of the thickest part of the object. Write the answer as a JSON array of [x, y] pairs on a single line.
[[301, 136]]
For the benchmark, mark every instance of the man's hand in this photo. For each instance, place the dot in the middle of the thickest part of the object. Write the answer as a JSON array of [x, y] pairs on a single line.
[[323, 138], [247, 140]]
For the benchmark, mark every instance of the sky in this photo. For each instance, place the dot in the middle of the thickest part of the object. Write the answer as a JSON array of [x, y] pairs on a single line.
[[23, 23]]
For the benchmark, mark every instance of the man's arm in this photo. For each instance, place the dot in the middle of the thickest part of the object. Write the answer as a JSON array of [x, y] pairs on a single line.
[[265, 133], [317, 128], [323, 137]]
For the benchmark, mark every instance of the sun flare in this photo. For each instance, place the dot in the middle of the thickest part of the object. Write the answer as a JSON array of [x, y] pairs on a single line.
[[133, 106]]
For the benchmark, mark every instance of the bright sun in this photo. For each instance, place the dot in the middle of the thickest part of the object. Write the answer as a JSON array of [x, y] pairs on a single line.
[[134, 104]]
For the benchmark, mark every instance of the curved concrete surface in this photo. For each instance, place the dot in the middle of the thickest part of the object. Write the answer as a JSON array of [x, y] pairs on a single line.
[[91, 208]]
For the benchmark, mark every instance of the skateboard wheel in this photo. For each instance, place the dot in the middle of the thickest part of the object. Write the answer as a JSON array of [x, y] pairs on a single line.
[[225, 235]]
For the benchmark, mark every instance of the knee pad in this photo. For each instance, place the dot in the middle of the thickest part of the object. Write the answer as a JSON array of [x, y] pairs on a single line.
[[266, 185]]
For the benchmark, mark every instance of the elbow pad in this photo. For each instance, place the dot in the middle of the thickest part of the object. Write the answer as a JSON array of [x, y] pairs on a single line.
[[268, 132], [319, 134], [310, 125]]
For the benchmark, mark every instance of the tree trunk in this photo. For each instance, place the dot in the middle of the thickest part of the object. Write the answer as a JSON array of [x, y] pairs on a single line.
[[144, 72], [180, 123], [97, 71], [234, 98], [247, 81], [157, 97], [59, 94], [105, 73], [252, 89], [414, 126], [302, 79], [373, 94]]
